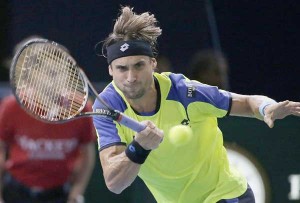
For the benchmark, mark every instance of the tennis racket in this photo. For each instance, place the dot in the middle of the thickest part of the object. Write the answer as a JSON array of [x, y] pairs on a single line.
[[50, 86]]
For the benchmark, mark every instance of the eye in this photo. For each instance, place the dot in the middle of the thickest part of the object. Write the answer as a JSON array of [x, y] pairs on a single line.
[[122, 68], [139, 65]]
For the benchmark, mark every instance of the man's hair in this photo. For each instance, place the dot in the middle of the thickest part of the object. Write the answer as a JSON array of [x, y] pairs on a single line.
[[132, 26]]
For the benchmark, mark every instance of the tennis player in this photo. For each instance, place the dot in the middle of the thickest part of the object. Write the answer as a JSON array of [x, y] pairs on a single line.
[[198, 172]]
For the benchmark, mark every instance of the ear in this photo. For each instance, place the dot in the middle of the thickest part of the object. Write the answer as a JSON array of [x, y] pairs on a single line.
[[154, 62], [110, 70]]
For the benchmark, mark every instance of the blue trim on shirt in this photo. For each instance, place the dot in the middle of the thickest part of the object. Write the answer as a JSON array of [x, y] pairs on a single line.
[[106, 128], [201, 93], [234, 200], [112, 98]]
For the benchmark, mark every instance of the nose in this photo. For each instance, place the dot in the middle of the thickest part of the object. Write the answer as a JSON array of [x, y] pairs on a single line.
[[131, 76]]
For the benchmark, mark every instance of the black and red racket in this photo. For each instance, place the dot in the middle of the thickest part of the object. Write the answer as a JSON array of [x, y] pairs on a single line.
[[49, 85]]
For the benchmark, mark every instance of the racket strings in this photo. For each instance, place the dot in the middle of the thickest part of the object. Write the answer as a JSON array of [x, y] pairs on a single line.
[[26, 67], [42, 101], [68, 100], [74, 83], [55, 90]]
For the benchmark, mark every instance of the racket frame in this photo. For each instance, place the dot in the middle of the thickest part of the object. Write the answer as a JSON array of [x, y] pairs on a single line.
[[108, 112]]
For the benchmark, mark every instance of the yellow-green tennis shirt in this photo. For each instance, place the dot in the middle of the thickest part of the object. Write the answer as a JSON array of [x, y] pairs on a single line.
[[197, 172]]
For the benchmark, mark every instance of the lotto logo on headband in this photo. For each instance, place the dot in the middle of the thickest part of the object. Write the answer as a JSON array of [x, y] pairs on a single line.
[[121, 49], [124, 47]]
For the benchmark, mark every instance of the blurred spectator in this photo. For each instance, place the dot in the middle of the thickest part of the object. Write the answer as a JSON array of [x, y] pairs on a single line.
[[163, 64], [43, 162], [210, 67]]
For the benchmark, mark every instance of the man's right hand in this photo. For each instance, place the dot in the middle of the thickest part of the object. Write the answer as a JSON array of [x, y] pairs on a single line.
[[150, 137]]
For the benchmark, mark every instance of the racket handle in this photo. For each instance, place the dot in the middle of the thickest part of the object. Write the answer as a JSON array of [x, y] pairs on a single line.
[[130, 123]]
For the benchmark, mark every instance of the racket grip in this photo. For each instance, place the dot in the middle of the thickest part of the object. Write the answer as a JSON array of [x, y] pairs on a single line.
[[130, 123]]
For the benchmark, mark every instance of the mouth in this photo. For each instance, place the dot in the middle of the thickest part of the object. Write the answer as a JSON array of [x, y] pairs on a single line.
[[131, 89], [131, 85]]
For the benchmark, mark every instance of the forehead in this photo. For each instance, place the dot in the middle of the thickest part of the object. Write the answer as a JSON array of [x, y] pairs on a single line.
[[129, 60]]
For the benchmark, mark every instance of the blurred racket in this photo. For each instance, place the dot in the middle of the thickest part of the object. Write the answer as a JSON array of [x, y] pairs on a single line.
[[49, 85]]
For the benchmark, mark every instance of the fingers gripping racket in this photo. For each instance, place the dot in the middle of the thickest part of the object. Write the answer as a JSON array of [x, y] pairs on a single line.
[[49, 85]]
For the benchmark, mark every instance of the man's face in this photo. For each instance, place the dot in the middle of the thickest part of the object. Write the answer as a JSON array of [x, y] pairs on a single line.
[[133, 75]]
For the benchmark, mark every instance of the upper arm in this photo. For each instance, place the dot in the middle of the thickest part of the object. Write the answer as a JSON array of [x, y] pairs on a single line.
[[109, 132], [88, 150]]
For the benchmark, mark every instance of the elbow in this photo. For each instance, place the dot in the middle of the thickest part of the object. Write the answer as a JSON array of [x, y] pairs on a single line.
[[114, 188]]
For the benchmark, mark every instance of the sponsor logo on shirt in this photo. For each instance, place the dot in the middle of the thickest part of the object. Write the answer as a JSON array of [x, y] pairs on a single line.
[[191, 91], [45, 149], [185, 122]]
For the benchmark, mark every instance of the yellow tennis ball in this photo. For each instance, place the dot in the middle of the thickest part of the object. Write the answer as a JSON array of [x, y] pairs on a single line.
[[180, 135]]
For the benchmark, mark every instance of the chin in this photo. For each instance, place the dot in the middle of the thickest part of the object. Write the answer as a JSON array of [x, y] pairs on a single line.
[[133, 96]]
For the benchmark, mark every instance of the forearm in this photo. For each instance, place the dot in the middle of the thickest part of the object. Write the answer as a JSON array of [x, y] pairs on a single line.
[[119, 171], [121, 164], [1, 179], [2, 165], [248, 106], [84, 173]]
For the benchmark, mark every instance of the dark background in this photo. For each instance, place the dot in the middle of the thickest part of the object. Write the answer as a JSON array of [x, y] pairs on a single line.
[[259, 38]]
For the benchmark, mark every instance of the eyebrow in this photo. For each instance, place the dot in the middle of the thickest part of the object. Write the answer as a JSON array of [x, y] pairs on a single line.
[[142, 61], [139, 62]]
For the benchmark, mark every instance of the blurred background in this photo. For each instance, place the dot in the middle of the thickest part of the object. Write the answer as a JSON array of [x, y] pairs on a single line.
[[259, 39]]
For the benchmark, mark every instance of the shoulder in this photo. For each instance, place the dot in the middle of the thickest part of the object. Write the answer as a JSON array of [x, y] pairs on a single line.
[[189, 91], [169, 82], [169, 77], [180, 82], [9, 103], [88, 107], [182, 87], [8, 107], [9, 100], [112, 97]]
